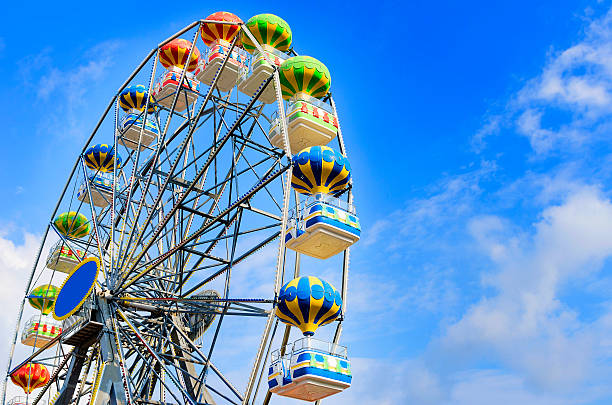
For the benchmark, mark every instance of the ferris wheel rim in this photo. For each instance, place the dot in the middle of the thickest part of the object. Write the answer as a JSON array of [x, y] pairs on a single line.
[[287, 151]]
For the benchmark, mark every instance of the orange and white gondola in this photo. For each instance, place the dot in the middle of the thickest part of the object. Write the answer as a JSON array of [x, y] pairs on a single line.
[[173, 56], [218, 34]]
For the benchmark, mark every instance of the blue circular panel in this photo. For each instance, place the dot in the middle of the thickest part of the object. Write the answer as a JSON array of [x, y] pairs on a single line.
[[76, 288]]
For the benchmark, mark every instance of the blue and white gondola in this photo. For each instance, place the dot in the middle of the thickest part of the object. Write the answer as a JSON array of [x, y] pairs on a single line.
[[310, 372], [130, 127], [323, 229], [101, 190]]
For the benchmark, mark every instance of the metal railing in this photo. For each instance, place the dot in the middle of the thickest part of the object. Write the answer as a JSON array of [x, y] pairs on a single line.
[[41, 320], [57, 248], [310, 100], [309, 343], [190, 82], [100, 180], [22, 400], [136, 119], [239, 55], [302, 209], [257, 59], [80, 317]]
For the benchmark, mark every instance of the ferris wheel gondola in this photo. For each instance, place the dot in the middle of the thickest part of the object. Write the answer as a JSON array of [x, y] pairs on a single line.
[[134, 100], [180, 59], [274, 36], [156, 219], [218, 36]]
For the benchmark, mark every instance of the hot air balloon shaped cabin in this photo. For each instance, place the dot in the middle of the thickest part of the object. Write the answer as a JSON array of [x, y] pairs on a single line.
[[173, 56], [323, 225], [311, 369], [134, 100], [218, 33], [274, 37], [310, 122], [30, 376], [41, 329], [62, 257], [98, 187]]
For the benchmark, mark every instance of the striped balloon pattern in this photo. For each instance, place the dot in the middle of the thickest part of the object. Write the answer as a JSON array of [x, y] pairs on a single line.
[[31, 376], [101, 158], [176, 52], [304, 74], [269, 30], [72, 224], [213, 32], [43, 298], [135, 97], [320, 169], [307, 303]]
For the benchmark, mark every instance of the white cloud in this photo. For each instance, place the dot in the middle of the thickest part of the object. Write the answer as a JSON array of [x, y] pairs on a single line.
[[537, 327], [579, 77], [72, 82], [543, 189], [529, 123], [491, 126], [385, 382], [373, 234], [575, 83], [485, 387], [526, 325], [390, 382], [16, 261], [424, 219], [523, 340]]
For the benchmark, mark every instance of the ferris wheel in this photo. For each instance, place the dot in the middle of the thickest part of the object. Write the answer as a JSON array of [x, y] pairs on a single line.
[[212, 194]]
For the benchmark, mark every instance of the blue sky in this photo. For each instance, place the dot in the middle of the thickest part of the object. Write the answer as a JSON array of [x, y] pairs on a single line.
[[479, 136]]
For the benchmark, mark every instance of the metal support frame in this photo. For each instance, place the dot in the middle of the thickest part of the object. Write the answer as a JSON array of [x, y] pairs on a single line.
[[171, 229]]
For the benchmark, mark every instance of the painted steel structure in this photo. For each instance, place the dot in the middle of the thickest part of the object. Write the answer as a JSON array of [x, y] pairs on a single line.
[[169, 226]]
